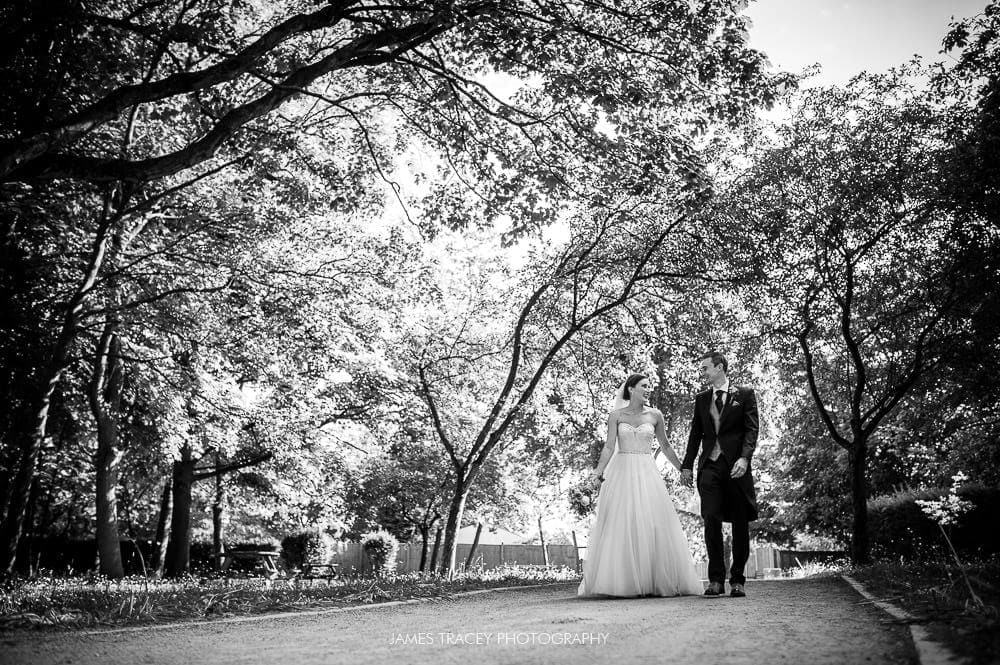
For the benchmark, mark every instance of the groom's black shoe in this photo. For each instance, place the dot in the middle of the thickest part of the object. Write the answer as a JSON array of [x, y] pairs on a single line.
[[714, 589], [737, 591]]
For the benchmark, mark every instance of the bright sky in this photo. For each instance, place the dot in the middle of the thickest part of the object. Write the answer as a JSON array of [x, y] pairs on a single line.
[[846, 37]]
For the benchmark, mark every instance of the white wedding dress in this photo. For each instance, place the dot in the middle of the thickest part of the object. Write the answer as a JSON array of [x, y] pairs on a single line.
[[636, 545]]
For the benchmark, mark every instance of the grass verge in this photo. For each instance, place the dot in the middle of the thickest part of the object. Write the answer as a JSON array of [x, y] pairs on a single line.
[[936, 594], [75, 603]]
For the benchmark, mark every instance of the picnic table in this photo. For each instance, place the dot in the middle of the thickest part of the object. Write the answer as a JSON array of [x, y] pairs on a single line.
[[327, 571], [268, 560]]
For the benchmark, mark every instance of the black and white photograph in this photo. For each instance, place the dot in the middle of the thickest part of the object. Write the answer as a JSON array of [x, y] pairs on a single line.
[[500, 332]]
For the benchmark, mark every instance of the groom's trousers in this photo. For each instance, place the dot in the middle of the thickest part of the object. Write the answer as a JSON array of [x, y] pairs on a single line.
[[722, 500]]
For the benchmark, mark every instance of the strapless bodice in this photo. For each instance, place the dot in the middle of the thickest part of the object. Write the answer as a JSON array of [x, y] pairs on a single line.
[[635, 439]]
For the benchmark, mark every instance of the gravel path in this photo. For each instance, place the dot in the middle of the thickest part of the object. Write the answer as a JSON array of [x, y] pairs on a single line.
[[783, 621]]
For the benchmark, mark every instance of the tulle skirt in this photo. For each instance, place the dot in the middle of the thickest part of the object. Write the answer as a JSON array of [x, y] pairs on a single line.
[[637, 546]]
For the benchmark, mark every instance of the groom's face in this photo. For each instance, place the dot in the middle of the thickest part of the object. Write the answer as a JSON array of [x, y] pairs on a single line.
[[709, 373]]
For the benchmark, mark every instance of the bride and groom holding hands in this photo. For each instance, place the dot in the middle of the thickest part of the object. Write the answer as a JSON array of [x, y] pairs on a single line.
[[637, 546]]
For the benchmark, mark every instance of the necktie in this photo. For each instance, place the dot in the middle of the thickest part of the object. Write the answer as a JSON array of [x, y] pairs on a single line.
[[718, 401]]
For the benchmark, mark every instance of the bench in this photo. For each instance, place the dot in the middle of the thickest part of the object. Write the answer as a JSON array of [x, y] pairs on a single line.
[[268, 561]]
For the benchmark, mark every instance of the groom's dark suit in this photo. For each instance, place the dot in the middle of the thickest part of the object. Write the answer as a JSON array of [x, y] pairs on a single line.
[[725, 499]]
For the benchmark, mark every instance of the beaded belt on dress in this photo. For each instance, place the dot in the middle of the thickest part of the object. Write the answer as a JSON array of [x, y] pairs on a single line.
[[634, 452]]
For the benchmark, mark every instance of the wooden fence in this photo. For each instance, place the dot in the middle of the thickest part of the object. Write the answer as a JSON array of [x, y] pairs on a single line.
[[352, 558]]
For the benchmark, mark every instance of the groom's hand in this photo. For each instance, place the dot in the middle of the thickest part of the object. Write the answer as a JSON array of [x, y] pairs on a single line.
[[687, 477], [739, 468]]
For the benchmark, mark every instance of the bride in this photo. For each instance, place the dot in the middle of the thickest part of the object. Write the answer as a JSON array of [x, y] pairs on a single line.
[[636, 545]]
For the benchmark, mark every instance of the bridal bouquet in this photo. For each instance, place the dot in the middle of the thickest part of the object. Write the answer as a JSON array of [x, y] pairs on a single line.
[[583, 498]]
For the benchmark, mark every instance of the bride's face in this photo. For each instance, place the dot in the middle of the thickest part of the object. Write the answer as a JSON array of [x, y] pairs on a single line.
[[641, 390]]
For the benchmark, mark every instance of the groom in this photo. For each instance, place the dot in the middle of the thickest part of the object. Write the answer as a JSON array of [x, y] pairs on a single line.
[[724, 427]]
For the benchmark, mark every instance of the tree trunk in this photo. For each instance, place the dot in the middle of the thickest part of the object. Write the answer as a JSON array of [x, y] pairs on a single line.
[[217, 510], [30, 445], [108, 545], [105, 405], [425, 536], [9, 454], [32, 438], [475, 546], [860, 544], [162, 532], [27, 545], [727, 546], [541, 539], [437, 550], [179, 548], [455, 511], [576, 552]]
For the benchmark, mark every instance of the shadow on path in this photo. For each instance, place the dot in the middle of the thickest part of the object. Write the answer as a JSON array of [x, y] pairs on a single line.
[[815, 621]]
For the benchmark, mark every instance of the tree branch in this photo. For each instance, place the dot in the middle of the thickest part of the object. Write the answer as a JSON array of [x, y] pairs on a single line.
[[30, 159], [217, 470], [803, 339], [438, 427], [19, 153]]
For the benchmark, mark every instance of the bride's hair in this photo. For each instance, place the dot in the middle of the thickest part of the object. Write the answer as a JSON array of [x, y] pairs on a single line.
[[630, 383]]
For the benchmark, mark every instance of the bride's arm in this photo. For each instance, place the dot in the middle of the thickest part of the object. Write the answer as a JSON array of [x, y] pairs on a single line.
[[661, 436], [609, 446]]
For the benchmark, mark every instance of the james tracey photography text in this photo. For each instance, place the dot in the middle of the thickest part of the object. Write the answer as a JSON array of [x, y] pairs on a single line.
[[500, 639]]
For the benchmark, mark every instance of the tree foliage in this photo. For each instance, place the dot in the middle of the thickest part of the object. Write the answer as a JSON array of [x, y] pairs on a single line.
[[860, 241], [381, 266]]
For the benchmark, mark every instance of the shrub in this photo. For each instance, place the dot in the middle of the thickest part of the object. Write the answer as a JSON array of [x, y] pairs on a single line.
[[200, 557], [900, 530], [381, 548], [62, 555], [312, 546]]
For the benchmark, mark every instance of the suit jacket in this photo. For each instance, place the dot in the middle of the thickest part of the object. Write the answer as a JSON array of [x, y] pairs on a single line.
[[736, 435]]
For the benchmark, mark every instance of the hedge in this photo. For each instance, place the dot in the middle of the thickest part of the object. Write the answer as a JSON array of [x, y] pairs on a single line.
[[900, 530], [78, 556]]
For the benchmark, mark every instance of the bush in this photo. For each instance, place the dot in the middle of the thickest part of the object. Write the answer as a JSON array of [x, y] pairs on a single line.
[[76, 556], [900, 530], [313, 546], [200, 557], [381, 548]]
